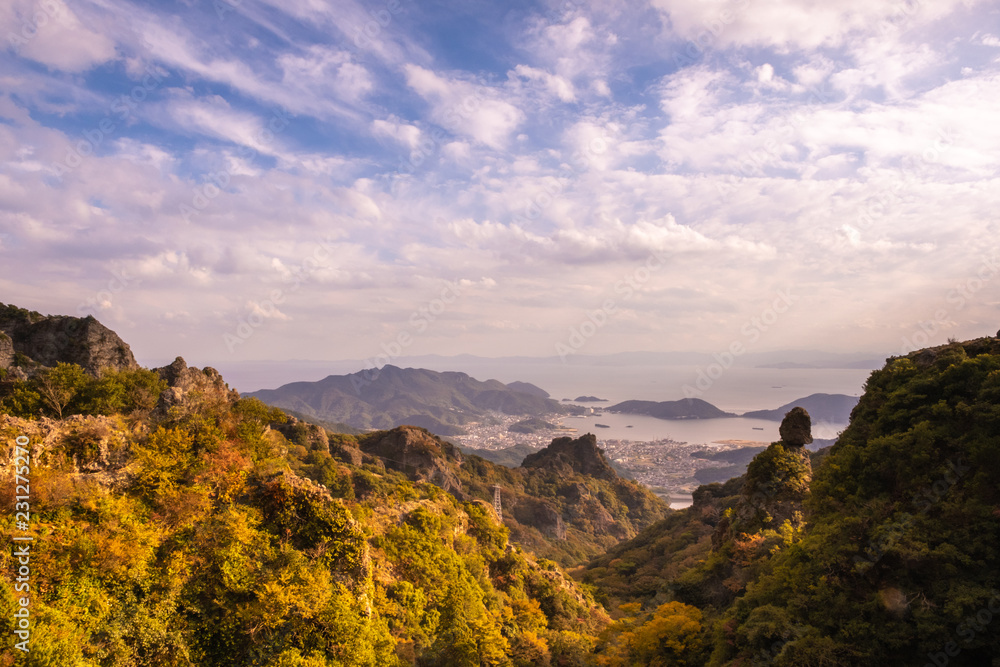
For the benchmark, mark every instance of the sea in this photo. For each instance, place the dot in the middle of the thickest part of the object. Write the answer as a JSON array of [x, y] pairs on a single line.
[[738, 389]]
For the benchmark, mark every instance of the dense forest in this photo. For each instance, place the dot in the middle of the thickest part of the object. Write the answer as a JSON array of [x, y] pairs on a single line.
[[198, 534], [176, 523]]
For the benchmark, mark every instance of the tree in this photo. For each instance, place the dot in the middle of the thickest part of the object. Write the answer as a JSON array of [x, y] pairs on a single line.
[[60, 385]]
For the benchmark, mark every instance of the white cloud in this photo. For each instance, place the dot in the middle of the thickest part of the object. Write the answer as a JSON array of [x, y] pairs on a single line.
[[394, 128], [552, 84], [795, 24], [469, 108], [49, 32]]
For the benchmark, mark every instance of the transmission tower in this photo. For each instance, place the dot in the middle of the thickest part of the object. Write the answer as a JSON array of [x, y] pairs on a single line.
[[496, 502]]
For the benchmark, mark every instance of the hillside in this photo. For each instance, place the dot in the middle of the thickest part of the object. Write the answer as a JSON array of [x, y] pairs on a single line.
[[685, 408], [175, 523], [391, 396], [510, 457], [882, 550], [564, 502], [833, 408]]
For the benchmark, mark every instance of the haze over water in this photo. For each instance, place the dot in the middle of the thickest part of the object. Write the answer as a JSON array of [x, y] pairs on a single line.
[[738, 390]]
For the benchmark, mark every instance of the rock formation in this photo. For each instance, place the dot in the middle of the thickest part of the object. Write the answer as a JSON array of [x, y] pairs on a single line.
[[419, 455], [186, 384], [777, 481], [796, 428], [33, 340], [581, 456]]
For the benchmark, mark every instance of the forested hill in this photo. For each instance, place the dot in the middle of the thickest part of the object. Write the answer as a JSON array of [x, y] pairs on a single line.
[[391, 396], [176, 523], [685, 408], [885, 551], [565, 502]]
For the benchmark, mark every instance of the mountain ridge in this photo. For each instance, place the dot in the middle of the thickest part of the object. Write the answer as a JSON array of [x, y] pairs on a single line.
[[393, 396]]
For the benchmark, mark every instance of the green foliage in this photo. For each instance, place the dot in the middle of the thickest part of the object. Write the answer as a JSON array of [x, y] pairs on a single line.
[[67, 390], [253, 419], [484, 527], [161, 460], [882, 559], [122, 392], [60, 388], [209, 549], [22, 399]]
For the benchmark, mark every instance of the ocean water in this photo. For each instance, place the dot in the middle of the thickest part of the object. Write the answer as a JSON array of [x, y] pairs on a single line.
[[738, 390]]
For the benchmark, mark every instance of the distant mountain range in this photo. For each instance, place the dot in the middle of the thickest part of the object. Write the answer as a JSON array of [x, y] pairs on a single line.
[[835, 408], [252, 375], [388, 397], [444, 403]]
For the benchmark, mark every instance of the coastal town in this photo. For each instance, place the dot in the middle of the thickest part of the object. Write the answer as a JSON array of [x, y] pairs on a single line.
[[665, 465]]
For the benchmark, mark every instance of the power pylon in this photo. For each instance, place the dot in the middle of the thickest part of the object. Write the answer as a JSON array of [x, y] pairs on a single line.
[[496, 502]]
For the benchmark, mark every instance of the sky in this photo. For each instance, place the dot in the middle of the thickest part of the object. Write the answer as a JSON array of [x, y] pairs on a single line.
[[237, 180]]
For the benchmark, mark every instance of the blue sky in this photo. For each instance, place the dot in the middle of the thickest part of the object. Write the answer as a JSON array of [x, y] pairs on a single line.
[[255, 179]]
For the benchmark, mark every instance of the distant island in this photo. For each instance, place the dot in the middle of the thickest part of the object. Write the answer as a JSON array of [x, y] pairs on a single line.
[[531, 425], [685, 408], [834, 408], [590, 399]]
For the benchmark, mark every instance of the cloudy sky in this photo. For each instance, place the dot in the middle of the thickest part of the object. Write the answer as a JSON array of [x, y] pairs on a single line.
[[328, 179]]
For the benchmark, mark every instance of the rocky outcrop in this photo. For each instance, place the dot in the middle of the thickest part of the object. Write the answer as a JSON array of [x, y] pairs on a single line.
[[419, 455], [95, 448], [46, 340], [303, 433], [777, 482], [193, 386], [796, 428], [6, 351], [566, 455]]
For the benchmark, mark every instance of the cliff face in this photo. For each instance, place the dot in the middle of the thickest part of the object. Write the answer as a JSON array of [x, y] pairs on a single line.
[[419, 455], [567, 456], [49, 339]]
